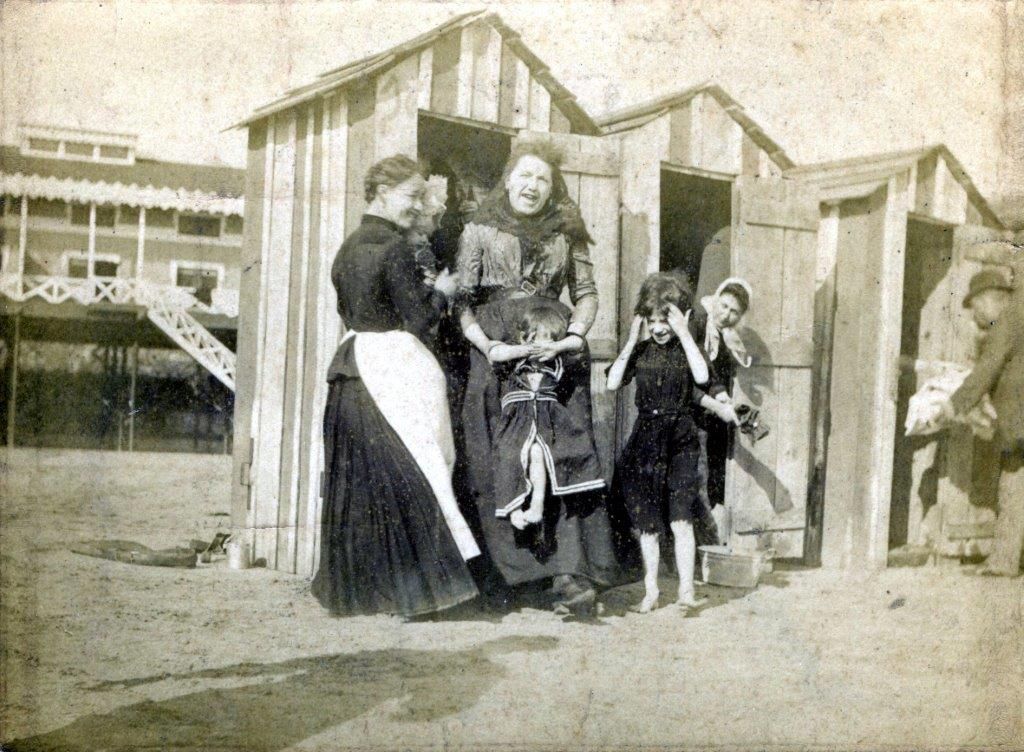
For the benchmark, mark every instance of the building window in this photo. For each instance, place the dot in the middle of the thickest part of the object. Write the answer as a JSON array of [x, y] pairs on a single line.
[[233, 225], [159, 218], [199, 225], [43, 144], [128, 215], [104, 215], [104, 264], [78, 148], [203, 278], [41, 207], [114, 152]]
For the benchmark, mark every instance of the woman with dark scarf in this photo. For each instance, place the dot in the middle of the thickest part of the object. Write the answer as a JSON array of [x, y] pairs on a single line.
[[526, 243]]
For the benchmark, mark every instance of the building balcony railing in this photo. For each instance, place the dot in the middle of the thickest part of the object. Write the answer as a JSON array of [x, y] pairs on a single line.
[[116, 291]]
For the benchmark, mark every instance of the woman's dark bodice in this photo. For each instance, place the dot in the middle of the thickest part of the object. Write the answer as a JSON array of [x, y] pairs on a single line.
[[379, 287]]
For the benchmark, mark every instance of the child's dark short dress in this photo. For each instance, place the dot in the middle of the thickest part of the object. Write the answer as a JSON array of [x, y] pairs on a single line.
[[542, 417], [657, 474]]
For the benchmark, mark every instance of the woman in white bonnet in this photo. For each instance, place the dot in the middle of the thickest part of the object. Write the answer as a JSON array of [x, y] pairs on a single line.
[[725, 351]]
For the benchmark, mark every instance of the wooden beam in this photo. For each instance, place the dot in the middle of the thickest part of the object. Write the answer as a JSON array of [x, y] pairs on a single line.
[[887, 369], [140, 248], [91, 257], [464, 84], [22, 243], [426, 76], [521, 106], [396, 110], [486, 75], [12, 395]]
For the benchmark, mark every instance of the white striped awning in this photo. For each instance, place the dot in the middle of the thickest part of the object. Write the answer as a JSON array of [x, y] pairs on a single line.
[[148, 196]]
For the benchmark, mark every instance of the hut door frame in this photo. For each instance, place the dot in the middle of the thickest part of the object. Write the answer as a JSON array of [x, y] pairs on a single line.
[[774, 246]]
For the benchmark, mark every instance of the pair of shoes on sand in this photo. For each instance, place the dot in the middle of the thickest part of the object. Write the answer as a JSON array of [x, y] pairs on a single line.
[[571, 597]]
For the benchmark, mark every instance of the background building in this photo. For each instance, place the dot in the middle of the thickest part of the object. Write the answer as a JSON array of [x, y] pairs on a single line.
[[118, 294]]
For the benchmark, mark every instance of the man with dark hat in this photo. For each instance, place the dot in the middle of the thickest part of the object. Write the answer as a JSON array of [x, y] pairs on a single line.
[[998, 311]]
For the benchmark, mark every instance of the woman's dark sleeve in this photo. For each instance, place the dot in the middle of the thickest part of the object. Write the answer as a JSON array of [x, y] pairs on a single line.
[[419, 305]]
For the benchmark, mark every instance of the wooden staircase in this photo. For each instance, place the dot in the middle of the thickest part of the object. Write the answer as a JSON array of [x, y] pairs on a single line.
[[167, 306]]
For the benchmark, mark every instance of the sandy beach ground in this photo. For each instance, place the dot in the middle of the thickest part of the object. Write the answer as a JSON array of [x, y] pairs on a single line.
[[99, 655]]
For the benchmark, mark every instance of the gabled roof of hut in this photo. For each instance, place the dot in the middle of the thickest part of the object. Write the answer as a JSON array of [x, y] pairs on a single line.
[[359, 70], [874, 169], [637, 115]]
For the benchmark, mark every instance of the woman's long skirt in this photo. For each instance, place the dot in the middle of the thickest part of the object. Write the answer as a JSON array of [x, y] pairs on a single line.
[[386, 547], [575, 538]]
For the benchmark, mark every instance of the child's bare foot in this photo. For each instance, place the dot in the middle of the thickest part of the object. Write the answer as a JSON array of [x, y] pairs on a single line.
[[688, 599], [648, 604], [518, 519]]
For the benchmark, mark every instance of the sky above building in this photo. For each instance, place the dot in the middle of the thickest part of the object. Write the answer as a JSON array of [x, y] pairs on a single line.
[[827, 80]]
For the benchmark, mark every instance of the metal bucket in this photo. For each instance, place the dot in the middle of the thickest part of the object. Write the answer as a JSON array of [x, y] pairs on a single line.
[[720, 565], [239, 554]]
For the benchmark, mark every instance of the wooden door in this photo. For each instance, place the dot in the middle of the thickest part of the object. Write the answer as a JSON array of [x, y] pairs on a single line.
[[775, 224], [591, 170]]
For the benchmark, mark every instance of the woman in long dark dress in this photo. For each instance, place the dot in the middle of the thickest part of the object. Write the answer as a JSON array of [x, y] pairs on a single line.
[[393, 538], [527, 239]]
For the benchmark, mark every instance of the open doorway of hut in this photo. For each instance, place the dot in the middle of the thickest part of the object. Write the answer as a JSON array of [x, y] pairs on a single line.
[[471, 158], [920, 466], [696, 219]]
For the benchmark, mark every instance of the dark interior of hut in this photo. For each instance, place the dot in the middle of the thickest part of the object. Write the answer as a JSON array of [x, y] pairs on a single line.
[[696, 217], [470, 157], [917, 466]]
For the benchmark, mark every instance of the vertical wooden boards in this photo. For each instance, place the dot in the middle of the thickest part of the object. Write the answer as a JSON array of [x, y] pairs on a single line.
[[324, 325], [824, 323], [539, 118], [775, 227], [507, 87], [750, 156], [864, 378], [721, 139], [680, 146], [937, 192], [396, 109], [277, 268], [426, 78], [360, 152], [521, 103], [249, 305], [445, 73], [294, 351], [464, 83], [486, 74], [643, 151], [886, 368]]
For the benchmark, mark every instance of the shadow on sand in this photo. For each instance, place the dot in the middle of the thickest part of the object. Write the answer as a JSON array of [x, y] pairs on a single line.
[[286, 702]]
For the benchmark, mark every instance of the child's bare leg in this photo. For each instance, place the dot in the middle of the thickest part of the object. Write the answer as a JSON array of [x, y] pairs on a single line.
[[685, 549], [650, 550], [539, 479]]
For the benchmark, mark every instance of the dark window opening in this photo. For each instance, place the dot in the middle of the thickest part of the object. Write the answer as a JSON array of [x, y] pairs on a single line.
[[78, 149], [114, 152], [233, 225], [43, 144], [199, 225], [104, 215], [203, 281]]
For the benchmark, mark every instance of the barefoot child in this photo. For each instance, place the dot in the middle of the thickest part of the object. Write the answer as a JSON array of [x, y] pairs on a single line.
[[538, 443], [658, 467]]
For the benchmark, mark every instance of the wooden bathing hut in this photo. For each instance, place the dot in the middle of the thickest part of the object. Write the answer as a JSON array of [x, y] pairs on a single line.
[[459, 93], [900, 236], [688, 182]]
